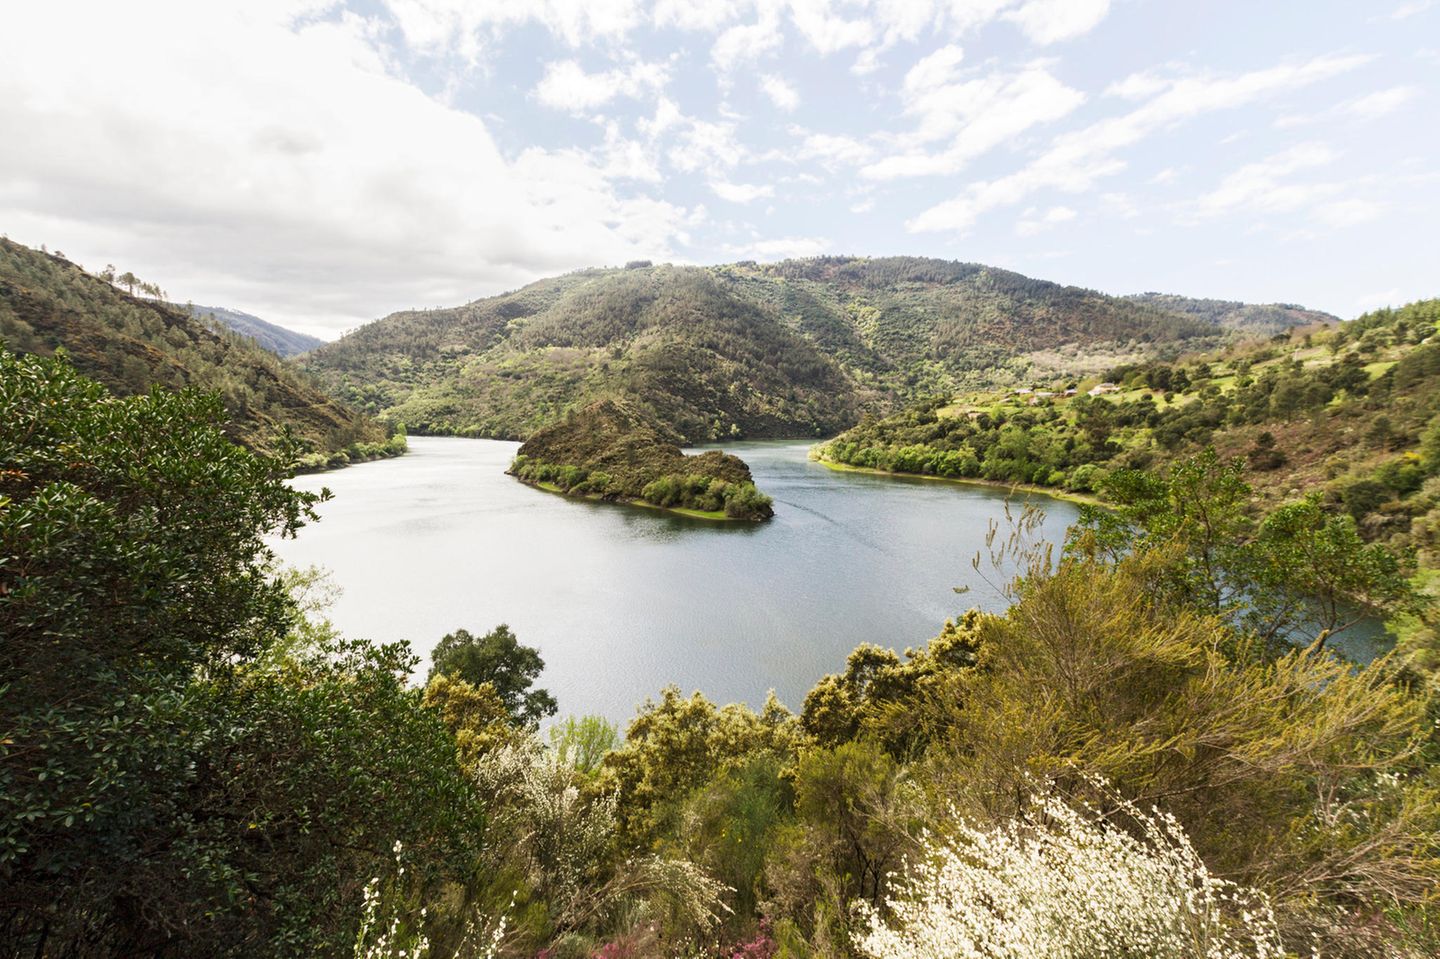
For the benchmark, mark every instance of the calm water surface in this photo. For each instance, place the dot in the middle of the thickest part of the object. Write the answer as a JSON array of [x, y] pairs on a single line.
[[622, 600]]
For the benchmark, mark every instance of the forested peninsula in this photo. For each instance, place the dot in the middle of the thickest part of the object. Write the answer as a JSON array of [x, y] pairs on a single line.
[[612, 451]]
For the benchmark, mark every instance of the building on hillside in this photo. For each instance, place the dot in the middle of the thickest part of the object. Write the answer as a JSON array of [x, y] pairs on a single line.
[[1102, 388]]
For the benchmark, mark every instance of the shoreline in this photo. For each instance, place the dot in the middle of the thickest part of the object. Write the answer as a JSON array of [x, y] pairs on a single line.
[[1081, 499], [709, 517]]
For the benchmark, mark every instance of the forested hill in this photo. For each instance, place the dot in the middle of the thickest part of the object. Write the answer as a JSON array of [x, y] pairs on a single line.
[[273, 337], [131, 343], [1348, 413], [1264, 319], [801, 347]]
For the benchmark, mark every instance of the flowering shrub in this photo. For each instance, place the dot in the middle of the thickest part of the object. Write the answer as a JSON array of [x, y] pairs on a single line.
[[1072, 886], [389, 929]]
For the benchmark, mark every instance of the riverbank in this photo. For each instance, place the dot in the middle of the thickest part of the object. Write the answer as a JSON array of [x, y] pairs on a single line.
[[1080, 499], [715, 516]]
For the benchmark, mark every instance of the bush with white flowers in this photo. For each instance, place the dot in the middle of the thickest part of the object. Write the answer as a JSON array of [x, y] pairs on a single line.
[[1069, 885]]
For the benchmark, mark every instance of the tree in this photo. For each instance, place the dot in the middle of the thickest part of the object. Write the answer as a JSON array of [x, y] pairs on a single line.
[[584, 742], [497, 659], [128, 280], [185, 769]]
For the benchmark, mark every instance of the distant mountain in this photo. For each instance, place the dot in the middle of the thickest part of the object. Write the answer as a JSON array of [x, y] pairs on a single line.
[[132, 343], [1253, 318], [276, 339], [802, 347]]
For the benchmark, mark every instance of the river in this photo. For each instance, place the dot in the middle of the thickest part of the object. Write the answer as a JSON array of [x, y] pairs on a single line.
[[621, 600]]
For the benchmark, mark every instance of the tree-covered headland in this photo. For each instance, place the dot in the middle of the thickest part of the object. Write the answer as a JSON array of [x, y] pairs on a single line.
[[1152, 752], [610, 450]]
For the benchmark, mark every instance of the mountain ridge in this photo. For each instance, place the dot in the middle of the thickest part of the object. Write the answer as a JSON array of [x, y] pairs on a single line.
[[130, 344], [795, 348], [277, 339]]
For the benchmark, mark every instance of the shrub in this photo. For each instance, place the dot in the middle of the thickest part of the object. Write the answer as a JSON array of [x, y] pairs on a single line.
[[1072, 884]]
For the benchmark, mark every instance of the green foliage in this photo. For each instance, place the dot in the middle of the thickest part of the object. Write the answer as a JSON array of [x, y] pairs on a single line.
[[1282, 770], [582, 743], [1259, 319], [1346, 412], [1299, 570], [498, 660], [857, 815], [183, 767], [677, 745]]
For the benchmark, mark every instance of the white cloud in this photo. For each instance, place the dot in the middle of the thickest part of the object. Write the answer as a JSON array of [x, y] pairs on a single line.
[[704, 145], [826, 28], [1050, 21], [1138, 86], [780, 92], [1076, 160], [1373, 301], [285, 169], [974, 116], [1265, 186], [780, 248], [706, 15], [1345, 213], [1120, 205], [746, 43], [1270, 186], [932, 71], [740, 192], [566, 85], [1033, 224], [1407, 10], [441, 26], [1380, 103], [831, 149]]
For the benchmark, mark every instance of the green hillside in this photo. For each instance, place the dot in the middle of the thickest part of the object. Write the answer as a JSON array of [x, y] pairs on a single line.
[[1264, 319], [1349, 412], [802, 347], [131, 343], [275, 338]]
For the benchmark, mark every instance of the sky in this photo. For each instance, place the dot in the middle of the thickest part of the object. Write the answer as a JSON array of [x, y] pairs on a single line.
[[321, 164]]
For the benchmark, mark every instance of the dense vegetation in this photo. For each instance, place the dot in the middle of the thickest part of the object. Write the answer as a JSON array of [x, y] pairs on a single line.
[[799, 348], [276, 339], [610, 450], [1263, 319], [185, 767], [132, 343], [1349, 413], [1128, 760]]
